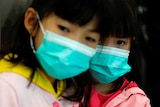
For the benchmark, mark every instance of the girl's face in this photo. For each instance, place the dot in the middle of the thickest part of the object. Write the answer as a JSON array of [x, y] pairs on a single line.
[[122, 43], [84, 34]]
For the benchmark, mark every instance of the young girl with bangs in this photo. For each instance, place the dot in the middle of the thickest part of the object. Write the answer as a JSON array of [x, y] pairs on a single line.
[[110, 66], [48, 51]]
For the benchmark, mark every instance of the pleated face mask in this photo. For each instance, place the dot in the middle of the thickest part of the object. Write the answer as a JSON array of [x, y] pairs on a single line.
[[62, 57], [109, 63]]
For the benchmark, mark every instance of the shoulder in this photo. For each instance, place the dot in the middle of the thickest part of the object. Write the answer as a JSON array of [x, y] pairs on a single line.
[[12, 82], [12, 79], [11, 86], [131, 97]]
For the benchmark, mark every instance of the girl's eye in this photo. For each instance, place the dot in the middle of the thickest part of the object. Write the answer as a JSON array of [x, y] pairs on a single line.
[[64, 29], [90, 39], [121, 42]]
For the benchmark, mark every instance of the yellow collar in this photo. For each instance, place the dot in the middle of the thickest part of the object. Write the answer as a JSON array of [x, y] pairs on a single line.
[[39, 78]]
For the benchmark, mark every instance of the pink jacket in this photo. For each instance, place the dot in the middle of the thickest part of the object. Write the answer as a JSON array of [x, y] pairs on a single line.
[[129, 95]]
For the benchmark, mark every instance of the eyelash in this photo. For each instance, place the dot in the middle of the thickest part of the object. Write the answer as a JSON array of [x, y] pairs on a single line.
[[121, 42], [90, 39], [64, 29]]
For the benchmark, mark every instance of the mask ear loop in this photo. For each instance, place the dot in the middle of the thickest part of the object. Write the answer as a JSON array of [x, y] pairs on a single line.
[[31, 43], [40, 24]]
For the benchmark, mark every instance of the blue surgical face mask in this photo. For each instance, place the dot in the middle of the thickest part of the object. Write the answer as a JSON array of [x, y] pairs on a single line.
[[109, 63], [62, 57]]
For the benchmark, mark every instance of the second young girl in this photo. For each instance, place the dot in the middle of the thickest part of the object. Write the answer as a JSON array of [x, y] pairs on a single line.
[[109, 66]]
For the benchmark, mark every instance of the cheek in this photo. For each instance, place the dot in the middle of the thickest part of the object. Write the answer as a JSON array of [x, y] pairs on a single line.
[[89, 44], [96, 42], [94, 45], [38, 40], [128, 47]]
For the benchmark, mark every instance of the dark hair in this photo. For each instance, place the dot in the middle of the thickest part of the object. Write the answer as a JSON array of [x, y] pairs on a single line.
[[123, 16]]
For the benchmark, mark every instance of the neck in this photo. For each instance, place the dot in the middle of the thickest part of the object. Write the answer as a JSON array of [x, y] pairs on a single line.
[[104, 88]]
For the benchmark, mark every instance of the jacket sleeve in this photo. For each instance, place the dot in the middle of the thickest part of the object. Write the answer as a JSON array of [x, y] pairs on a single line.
[[133, 97], [135, 100], [7, 95]]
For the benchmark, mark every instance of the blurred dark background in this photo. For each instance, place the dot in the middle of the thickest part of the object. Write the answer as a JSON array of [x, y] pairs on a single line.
[[149, 49], [146, 57]]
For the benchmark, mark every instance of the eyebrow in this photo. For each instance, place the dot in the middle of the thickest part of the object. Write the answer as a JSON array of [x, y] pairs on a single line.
[[94, 30]]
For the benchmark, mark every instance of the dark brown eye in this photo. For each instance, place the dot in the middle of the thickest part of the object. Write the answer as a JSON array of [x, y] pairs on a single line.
[[121, 42], [64, 29], [90, 39]]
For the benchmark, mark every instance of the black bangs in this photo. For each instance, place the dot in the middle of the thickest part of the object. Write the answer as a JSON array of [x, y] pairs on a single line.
[[75, 11], [123, 18], [124, 29], [125, 25]]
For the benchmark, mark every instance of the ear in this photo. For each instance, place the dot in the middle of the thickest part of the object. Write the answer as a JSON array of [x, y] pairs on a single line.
[[30, 21]]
